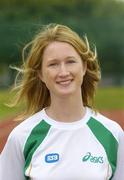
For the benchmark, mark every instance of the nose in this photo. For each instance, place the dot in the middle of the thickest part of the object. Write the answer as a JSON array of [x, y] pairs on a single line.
[[63, 70]]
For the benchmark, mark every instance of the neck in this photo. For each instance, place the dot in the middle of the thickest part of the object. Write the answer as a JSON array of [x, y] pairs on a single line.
[[66, 109]]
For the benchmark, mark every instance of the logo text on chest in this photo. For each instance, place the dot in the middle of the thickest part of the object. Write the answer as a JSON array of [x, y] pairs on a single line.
[[51, 158], [93, 159]]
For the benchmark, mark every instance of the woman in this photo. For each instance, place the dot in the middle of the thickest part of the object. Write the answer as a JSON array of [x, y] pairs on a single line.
[[63, 138]]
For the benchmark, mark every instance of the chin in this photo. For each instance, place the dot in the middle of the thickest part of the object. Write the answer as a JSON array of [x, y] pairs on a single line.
[[66, 93]]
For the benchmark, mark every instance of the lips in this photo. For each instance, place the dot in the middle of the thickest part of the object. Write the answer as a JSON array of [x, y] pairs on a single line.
[[64, 82]]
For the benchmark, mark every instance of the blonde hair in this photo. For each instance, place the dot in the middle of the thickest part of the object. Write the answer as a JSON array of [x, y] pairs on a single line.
[[32, 89]]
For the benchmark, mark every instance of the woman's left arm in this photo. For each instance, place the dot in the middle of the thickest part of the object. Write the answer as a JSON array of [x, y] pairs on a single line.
[[119, 172]]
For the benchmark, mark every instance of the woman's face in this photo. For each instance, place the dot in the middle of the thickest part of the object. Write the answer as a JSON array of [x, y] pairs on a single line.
[[62, 69]]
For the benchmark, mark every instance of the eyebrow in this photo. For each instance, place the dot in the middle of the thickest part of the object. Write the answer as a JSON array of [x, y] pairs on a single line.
[[68, 57]]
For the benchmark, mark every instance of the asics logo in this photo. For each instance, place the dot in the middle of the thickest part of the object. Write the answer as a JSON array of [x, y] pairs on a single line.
[[93, 159]]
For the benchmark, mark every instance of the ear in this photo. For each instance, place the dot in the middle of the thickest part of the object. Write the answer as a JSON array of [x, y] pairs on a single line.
[[84, 67]]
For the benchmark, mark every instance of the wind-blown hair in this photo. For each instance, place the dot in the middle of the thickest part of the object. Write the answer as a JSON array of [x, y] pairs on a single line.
[[30, 87]]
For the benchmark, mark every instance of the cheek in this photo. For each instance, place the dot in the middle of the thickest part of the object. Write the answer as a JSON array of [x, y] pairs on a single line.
[[47, 76], [80, 75], [80, 70]]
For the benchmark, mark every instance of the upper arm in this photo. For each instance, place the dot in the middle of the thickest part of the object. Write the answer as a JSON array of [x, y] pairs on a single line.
[[119, 172], [11, 160]]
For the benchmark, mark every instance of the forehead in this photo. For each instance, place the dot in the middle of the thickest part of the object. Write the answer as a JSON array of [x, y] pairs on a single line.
[[58, 49]]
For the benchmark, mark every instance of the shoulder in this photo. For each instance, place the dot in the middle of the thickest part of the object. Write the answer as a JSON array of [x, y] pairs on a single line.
[[110, 125], [21, 132]]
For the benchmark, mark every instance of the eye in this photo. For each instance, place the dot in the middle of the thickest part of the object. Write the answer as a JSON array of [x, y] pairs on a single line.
[[53, 64], [71, 61]]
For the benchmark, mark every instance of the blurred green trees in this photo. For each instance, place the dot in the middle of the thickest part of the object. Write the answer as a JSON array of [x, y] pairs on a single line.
[[101, 20]]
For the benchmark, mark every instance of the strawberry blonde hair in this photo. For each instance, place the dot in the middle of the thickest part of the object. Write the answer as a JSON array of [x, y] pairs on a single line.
[[28, 84]]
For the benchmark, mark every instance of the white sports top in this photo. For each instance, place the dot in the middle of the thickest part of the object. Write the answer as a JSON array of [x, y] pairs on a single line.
[[41, 148]]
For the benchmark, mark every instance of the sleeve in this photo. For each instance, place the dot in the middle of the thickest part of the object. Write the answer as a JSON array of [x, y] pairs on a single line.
[[12, 160], [119, 172]]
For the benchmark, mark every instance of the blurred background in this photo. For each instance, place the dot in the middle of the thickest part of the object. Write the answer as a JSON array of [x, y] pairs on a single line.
[[101, 20]]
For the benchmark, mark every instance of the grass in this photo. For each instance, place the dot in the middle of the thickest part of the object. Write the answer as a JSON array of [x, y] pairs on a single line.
[[6, 112], [110, 98], [106, 98]]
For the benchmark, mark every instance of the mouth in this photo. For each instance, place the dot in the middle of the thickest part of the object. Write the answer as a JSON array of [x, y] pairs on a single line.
[[64, 82]]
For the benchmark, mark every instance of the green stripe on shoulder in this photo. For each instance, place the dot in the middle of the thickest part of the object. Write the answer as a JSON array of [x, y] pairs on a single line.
[[35, 138], [106, 138]]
